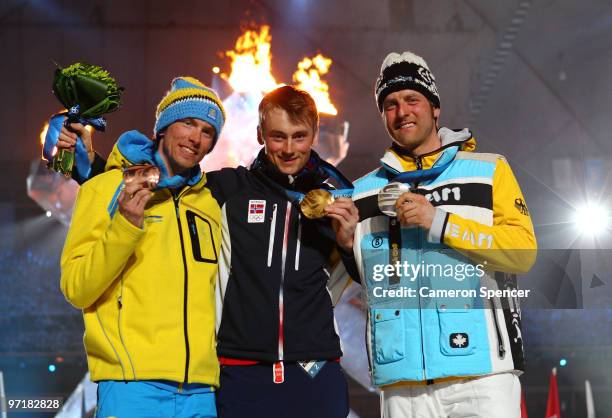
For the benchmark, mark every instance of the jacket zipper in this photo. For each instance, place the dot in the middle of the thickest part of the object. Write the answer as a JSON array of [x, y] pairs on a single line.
[[272, 233], [120, 306], [281, 308], [501, 351], [419, 165], [299, 239], [178, 219]]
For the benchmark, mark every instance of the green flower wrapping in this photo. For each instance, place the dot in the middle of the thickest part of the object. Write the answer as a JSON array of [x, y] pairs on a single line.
[[90, 87]]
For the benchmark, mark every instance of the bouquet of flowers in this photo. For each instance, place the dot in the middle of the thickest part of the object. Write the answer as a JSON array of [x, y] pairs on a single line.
[[87, 92]]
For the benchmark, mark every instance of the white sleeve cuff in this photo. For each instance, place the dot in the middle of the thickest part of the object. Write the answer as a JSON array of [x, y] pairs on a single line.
[[438, 225]]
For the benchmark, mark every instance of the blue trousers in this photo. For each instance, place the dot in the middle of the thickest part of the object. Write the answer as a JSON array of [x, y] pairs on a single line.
[[249, 392], [154, 399]]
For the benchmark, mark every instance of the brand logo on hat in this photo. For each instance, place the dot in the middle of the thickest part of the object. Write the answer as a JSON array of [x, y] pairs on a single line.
[[212, 113], [426, 75]]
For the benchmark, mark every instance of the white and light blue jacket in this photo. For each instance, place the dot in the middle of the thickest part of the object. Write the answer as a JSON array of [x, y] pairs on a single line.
[[423, 338]]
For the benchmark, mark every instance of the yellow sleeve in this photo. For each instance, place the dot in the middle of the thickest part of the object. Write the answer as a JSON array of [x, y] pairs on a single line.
[[508, 245], [97, 246]]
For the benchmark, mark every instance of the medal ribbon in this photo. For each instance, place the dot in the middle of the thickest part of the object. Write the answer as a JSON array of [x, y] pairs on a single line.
[[413, 177], [346, 187], [330, 171]]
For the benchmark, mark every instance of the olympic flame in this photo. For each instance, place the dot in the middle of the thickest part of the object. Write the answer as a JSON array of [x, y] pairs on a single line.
[[42, 135], [252, 62], [308, 77]]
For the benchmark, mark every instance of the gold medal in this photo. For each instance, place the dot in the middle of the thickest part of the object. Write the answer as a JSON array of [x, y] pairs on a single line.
[[314, 203]]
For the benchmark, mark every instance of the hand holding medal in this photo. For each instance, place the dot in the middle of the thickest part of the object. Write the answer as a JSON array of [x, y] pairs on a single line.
[[139, 181], [336, 204], [344, 218], [343, 212], [389, 195], [142, 176], [398, 200], [314, 203]]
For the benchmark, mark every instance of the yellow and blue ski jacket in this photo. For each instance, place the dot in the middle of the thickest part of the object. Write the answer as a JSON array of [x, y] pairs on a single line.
[[147, 295]]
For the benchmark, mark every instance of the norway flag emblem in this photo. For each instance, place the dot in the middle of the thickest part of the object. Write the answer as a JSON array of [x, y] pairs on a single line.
[[257, 211]]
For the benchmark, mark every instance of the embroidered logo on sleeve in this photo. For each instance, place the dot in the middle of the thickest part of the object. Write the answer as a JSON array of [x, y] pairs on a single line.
[[521, 206]]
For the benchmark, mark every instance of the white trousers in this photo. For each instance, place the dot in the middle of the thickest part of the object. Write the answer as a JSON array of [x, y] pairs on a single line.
[[495, 396]]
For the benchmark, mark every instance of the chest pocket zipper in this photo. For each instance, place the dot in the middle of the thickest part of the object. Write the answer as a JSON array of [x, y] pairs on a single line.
[[272, 233]]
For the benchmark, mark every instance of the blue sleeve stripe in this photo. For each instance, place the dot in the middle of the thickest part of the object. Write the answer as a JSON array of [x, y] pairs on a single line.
[[114, 203]]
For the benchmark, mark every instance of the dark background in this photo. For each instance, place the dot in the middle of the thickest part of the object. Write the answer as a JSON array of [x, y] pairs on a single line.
[[531, 79]]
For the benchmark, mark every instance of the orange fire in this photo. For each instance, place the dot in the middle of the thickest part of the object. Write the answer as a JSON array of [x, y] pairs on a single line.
[[308, 77], [42, 135], [252, 62], [252, 69]]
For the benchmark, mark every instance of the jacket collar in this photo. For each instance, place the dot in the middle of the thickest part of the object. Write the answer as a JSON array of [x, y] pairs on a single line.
[[311, 176], [452, 141]]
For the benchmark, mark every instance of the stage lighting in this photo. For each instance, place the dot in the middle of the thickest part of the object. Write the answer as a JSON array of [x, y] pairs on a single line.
[[563, 362], [52, 368], [591, 219], [48, 213]]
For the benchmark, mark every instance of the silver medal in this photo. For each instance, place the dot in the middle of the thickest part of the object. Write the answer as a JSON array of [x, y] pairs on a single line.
[[388, 196]]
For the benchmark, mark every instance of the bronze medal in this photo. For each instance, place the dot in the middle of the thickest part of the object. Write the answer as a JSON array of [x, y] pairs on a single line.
[[314, 203], [147, 175]]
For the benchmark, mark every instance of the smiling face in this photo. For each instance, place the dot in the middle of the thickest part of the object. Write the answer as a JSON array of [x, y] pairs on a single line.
[[184, 143], [410, 120], [288, 142]]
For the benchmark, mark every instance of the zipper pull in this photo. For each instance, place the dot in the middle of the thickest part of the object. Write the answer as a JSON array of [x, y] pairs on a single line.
[[176, 207], [419, 163], [119, 302], [278, 372]]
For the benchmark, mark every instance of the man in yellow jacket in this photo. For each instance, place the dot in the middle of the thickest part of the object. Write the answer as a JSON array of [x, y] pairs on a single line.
[[142, 264]]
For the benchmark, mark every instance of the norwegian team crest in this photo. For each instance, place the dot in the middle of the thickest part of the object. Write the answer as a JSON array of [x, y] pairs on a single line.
[[257, 211]]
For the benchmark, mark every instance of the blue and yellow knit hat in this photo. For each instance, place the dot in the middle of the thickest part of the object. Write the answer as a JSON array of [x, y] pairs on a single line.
[[190, 98]]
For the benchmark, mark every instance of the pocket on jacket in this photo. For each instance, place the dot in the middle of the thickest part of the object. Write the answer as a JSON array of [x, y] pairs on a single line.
[[202, 238], [389, 335], [456, 331]]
